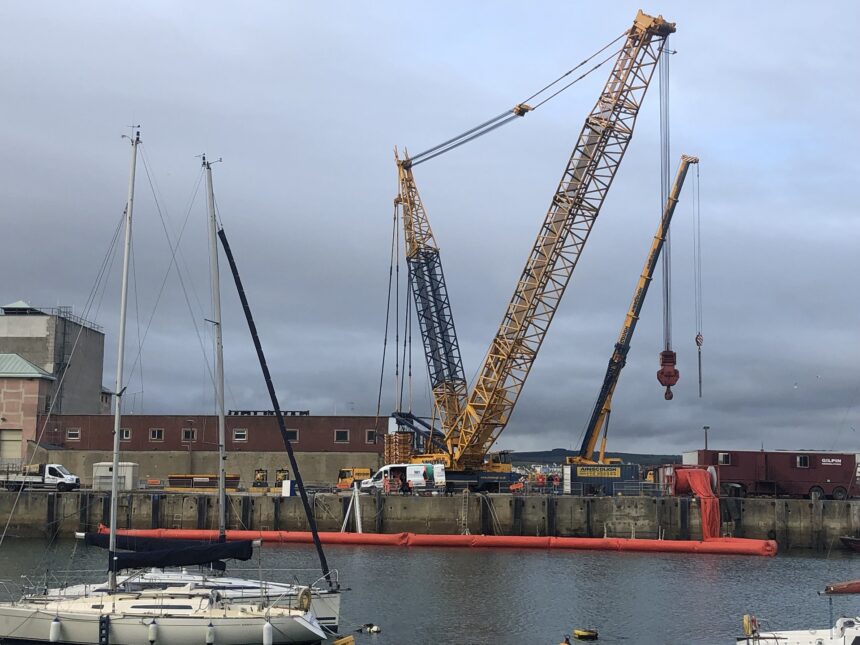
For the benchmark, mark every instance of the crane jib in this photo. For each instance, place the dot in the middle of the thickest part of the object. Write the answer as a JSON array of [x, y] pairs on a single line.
[[603, 405]]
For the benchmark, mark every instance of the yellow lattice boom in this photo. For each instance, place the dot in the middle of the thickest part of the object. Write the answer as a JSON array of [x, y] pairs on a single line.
[[574, 208]]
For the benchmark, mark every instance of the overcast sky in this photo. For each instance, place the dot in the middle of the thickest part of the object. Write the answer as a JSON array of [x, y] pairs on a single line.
[[305, 103]]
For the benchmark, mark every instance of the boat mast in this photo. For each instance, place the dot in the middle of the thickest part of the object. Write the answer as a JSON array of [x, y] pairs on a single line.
[[120, 356], [219, 353]]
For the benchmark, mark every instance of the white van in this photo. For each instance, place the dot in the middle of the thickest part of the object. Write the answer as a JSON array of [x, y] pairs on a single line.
[[421, 476]]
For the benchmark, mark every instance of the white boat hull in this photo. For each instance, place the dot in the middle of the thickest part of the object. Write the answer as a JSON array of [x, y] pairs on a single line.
[[845, 632], [325, 603], [179, 621]]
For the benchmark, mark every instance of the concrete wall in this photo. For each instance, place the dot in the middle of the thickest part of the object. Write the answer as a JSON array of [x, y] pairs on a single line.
[[47, 341], [795, 524], [82, 386], [317, 468], [28, 336]]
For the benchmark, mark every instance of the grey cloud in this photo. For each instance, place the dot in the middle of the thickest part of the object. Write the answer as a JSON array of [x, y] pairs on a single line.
[[305, 104]]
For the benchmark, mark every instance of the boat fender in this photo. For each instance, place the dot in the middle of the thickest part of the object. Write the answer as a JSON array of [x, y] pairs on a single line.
[[304, 599], [152, 632], [54, 632], [210, 634], [750, 625], [268, 633]]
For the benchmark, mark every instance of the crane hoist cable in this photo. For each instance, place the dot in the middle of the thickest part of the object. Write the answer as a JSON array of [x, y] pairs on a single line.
[[519, 110], [394, 228], [697, 270], [668, 373]]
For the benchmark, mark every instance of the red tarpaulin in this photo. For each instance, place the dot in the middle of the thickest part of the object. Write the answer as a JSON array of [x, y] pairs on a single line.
[[698, 482]]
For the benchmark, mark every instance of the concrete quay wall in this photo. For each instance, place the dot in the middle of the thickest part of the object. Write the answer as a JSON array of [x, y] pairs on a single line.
[[794, 523]]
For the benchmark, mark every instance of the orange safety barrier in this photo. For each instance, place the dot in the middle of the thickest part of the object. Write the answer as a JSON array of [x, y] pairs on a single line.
[[715, 546], [416, 539]]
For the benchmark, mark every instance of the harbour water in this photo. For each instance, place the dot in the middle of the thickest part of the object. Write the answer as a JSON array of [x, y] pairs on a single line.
[[501, 596]]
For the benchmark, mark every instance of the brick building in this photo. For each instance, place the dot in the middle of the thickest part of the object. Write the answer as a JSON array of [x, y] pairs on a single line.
[[168, 444], [244, 433]]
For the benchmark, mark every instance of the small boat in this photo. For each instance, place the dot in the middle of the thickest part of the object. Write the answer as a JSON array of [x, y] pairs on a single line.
[[850, 542], [585, 634], [844, 631]]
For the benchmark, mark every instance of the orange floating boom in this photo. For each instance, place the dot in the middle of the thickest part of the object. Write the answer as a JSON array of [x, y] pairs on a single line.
[[715, 546]]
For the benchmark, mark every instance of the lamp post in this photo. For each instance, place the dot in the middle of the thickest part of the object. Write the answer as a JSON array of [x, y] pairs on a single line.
[[706, 428]]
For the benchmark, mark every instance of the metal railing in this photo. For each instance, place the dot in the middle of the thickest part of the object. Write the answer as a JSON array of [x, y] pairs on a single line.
[[59, 312], [638, 489]]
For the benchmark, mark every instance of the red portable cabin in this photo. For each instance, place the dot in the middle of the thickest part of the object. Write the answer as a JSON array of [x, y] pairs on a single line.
[[782, 472]]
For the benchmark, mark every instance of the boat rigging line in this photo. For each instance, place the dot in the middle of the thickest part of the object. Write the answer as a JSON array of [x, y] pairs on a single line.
[[174, 252], [519, 110], [252, 328]]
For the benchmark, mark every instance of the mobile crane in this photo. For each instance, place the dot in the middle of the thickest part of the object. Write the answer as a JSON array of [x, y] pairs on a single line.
[[470, 433], [603, 406]]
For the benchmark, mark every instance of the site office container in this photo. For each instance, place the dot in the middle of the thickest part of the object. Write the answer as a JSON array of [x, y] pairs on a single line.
[[796, 474]]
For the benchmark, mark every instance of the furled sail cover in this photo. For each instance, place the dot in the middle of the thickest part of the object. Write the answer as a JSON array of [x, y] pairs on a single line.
[[155, 552]]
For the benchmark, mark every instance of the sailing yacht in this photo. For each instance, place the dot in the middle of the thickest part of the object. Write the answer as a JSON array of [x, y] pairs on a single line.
[[176, 612], [324, 602]]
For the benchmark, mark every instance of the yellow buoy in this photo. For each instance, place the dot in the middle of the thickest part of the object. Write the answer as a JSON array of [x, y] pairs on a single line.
[[585, 634]]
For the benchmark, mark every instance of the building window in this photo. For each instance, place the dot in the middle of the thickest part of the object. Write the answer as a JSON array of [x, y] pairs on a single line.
[[370, 436], [341, 436], [724, 458], [240, 434], [73, 434], [156, 434], [801, 461], [293, 435], [125, 434], [189, 434]]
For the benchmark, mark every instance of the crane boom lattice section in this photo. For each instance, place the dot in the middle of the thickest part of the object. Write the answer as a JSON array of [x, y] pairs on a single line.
[[432, 305], [574, 208]]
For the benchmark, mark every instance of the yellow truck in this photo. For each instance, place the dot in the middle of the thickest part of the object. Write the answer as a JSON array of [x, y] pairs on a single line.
[[346, 476]]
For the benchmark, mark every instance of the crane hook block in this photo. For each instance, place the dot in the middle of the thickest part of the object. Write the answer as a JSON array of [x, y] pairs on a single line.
[[668, 374]]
